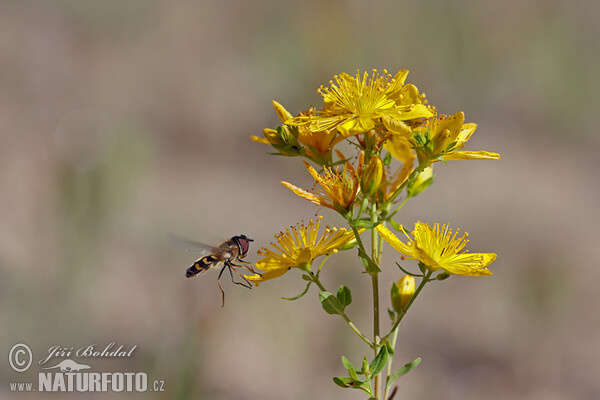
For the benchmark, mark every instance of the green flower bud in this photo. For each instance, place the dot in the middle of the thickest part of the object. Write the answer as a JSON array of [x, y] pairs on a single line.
[[372, 176], [402, 292]]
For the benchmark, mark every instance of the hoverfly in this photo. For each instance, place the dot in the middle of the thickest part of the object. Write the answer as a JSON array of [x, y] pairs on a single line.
[[222, 256]]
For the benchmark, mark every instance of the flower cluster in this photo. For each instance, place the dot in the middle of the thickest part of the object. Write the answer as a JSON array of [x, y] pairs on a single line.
[[385, 119], [370, 148]]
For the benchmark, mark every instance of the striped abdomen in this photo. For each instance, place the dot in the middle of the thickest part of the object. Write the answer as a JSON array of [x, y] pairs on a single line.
[[201, 265]]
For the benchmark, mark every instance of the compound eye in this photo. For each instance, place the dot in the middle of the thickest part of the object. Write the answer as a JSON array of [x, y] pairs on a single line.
[[245, 245]]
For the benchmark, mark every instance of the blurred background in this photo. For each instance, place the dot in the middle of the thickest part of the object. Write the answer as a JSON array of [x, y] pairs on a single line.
[[124, 122]]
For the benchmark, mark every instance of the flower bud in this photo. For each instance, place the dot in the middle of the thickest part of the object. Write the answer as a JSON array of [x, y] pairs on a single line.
[[284, 140], [402, 292], [421, 182], [372, 176]]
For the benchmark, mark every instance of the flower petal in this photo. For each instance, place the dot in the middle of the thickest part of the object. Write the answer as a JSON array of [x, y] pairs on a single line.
[[265, 276], [472, 155], [393, 240]]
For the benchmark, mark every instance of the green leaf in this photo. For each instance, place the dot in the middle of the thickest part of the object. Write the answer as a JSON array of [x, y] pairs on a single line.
[[352, 370], [347, 382], [299, 295], [406, 272], [307, 277], [348, 365], [379, 362], [365, 223], [401, 371], [330, 303], [369, 265], [353, 374], [344, 296]]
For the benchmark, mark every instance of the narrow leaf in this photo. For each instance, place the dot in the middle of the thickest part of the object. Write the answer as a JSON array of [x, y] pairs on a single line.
[[347, 382], [299, 295], [348, 365], [379, 362], [401, 371], [369, 265]]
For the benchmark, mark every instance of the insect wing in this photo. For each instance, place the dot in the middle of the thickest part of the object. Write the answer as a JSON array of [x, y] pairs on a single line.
[[192, 246]]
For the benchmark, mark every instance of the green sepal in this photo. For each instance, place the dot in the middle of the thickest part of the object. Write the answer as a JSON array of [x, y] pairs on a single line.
[[391, 314], [330, 303], [395, 225], [413, 190], [299, 295], [442, 276], [422, 267], [349, 245], [401, 371], [396, 298], [344, 296], [341, 210], [387, 160], [420, 139], [379, 362], [366, 223], [369, 265]]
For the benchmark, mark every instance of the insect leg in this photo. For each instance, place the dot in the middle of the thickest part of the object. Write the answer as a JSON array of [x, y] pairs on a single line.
[[221, 287], [249, 267], [245, 283]]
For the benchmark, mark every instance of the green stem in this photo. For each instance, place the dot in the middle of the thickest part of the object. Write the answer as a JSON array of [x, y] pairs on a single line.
[[394, 330], [402, 203], [375, 255], [389, 364], [410, 302]]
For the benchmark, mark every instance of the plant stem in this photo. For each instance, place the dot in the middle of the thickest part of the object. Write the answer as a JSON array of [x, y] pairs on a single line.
[[389, 366], [410, 302], [394, 330], [375, 255]]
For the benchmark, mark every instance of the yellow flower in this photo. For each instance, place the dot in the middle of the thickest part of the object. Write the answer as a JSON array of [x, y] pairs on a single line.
[[297, 247], [352, 103], [318, 143], [438, 249], [442, 136], [288, 140], [285, 138], [338, 188]]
